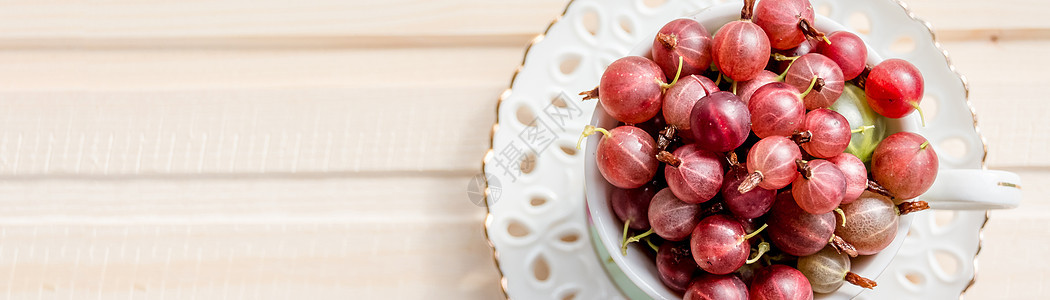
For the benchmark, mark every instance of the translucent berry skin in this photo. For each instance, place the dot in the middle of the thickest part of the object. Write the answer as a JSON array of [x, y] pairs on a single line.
[[871, 224], [853, 105], [676, 266], [698, 178], [671, 218], [830, 133], [826, 270], [847, 50], [627, 158], [780, 282], [741, 50], [796, 231], [747, 88], [780, 20], [689, 40], [775, 157], [856, 175], [679, 99], [633, 205], [776, 110], [750, 205], [718, 244], [720, 122], [894, 87], [904, 166], [822, 192], [722, 287], [801, 75], [630, 90]]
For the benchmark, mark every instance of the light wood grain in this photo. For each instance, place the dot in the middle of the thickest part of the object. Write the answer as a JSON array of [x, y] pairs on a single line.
[[121, 120]]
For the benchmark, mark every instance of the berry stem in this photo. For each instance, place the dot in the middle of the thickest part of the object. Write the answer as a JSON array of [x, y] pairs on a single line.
[[811, 31], [748, 10], [803, 168], [862, 129], [666, 136], [763, 247], [860, 281], [750, 182], [841, 214], [922, 117], [878, 189], [666, 86], [588, 95], [841, 246], [625, 228], [781, 57], [668, 158], [588, 131], [912, 206], [668, 40], [732, 159], [623, 248], [802, 137], [649, 241], [812, 83], [754, 233]]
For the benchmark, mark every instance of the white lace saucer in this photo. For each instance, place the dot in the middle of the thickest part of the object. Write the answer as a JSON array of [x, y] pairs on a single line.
[[537, 225]]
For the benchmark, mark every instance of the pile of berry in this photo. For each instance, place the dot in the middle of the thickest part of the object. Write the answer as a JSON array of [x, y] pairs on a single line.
[[735, 162]]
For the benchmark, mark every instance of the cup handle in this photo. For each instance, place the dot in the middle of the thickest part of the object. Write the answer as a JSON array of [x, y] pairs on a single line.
[[974, 189]]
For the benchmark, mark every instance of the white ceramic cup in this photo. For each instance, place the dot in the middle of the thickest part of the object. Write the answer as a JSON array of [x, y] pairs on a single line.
[[957, 189]]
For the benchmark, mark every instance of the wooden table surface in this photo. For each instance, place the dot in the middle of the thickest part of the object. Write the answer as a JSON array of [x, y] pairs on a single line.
[[322, 149]]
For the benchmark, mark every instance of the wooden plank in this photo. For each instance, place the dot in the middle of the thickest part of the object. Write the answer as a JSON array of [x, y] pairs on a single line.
[[379, 198], [127, 23], [134, 111], [1005, 88], [257, 261], [1010, 265], [320, 237]]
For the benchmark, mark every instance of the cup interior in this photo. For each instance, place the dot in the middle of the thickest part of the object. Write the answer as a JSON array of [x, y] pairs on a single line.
[[640, 268]]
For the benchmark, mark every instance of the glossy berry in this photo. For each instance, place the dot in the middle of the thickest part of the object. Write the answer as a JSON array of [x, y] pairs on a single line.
[[905, 164], [750, 205], [771, 162], [626, 157], [686, 39], [671, 218], [698, 176], [847, 50], [780, 20], [722, 287], [828, 132], [633, 205], [631, 89], [680, 99], [747, 88], [675, 264], [741, 49], [776, 110], [830, 80], [719, 245], [871, 224], [820, 187], [856, 175], [720, 122], [894, 88], [780, 282], [796, 231]]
